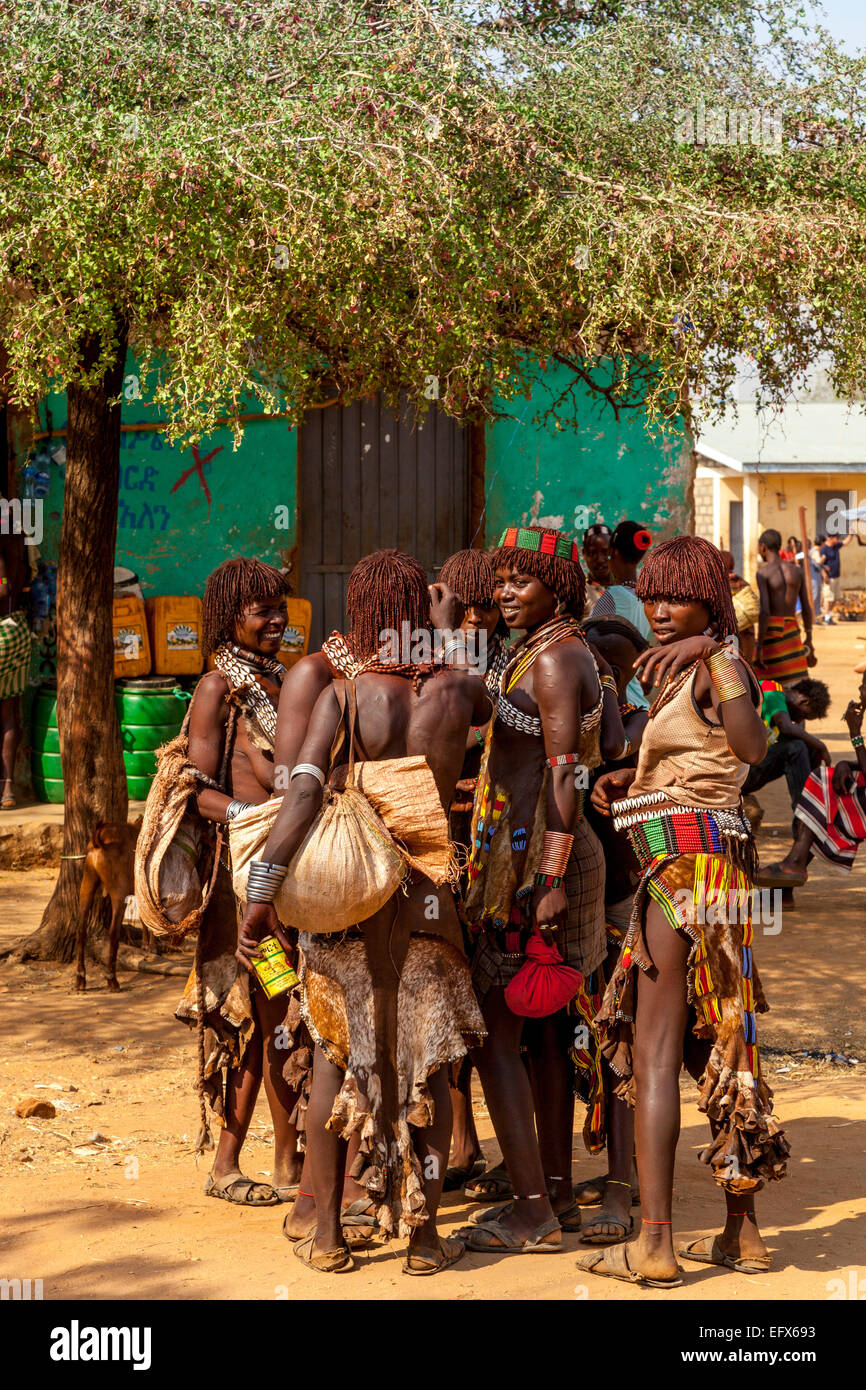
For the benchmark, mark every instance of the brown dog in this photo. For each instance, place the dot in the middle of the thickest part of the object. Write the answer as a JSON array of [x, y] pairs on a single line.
[[110, 863]]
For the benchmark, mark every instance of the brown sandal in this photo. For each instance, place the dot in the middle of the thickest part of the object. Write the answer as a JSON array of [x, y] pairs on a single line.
[[337, 1261], [592, 1236], [613, 1264], [482, 1239], [715, 1255], [772, 876], [449, 1252], [236, 1188]]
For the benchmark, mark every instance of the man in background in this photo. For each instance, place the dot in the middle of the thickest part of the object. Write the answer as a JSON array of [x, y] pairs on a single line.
[[832, 562], [792, 753], [782, 655]]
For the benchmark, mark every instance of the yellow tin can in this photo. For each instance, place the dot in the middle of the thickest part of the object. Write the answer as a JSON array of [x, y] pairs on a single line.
[[273, 971]]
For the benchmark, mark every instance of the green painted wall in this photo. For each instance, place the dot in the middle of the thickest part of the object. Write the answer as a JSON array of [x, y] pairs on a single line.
[[612, 469], [168, 530], [172, 536]]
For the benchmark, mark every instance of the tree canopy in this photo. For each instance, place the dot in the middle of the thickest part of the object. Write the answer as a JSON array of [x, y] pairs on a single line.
[[342, 197]]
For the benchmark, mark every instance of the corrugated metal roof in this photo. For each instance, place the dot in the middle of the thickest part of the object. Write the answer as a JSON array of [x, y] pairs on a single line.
[[803, 437]]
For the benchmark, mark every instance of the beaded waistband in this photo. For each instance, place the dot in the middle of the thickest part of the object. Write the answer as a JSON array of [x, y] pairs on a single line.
[[690, 830]]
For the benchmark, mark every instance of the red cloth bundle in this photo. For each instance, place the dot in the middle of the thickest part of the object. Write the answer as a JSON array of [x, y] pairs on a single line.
[[544, 984]]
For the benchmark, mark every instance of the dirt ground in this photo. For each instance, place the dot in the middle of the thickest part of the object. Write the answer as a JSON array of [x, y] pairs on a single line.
[[105, 1200]]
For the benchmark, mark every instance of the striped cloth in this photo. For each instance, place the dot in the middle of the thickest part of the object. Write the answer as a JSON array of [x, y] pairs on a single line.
[[837, 822], [14, 654], [784, 653]]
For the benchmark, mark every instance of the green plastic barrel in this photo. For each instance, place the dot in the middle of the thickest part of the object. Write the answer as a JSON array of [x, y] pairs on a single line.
[[140, 764], [45, 757], [150, 712]]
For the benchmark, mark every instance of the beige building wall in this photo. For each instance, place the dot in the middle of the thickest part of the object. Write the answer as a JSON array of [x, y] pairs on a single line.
[[777, 498], [798, 490]]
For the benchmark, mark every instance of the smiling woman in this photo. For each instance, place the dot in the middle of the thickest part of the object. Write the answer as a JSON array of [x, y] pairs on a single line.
[[535, 894], [232, 728]]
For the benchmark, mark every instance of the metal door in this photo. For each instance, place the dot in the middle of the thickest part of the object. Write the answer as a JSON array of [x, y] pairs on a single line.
[[370, 481]]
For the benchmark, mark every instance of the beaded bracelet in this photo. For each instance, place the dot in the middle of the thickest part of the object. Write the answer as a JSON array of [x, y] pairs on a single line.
[[548, 881], [856, 740], [563, 759], [479, 733]]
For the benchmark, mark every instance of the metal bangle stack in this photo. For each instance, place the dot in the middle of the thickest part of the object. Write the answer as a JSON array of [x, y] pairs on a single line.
[[264, 881]]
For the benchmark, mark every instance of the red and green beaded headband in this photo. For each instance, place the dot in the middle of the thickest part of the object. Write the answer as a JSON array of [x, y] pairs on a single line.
[[542, 542]]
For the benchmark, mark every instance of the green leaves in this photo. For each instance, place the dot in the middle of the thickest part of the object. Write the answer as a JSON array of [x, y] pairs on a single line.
[[296, 198]]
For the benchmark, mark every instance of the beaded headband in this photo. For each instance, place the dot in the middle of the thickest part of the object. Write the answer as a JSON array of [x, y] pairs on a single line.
[[542, 542]]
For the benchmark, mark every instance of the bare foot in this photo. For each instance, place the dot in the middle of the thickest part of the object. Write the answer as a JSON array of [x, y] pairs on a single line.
[[652, 1253], [741, 1238], [613, 1222], [300, 1218], [287, 1169]]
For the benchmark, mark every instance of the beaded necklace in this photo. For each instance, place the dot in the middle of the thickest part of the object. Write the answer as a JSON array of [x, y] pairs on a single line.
[[672, 686], [268, 664], [554, 630], [240, 671], [337, 653]]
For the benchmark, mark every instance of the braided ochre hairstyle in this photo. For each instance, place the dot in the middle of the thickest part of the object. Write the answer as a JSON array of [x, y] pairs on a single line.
[[385, 590], [564, 577], [231, 586], [689, 569]]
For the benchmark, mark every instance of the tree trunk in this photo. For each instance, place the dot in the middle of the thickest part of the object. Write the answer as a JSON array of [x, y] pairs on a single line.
[[90, 749]]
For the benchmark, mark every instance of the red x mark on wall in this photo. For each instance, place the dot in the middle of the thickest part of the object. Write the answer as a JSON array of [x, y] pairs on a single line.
[[198, 467]]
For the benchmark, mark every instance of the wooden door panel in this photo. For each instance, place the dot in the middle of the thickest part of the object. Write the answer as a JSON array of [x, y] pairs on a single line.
[[369, 481]]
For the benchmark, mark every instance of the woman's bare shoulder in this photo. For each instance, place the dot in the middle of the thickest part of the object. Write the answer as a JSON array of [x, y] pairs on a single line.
[[209, 700]]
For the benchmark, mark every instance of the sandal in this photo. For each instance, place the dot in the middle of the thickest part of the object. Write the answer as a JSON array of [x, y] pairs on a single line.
[[613, 1264], [457, 1177], [449, 1252], [337, 1261], [569, 1219], [498, 1178], [593, 1236], [354, 1237], [590, 1193], [287, 1194], [237, 1188], [773, 876], [483, 1240], [715, 1255], [583, 1192]]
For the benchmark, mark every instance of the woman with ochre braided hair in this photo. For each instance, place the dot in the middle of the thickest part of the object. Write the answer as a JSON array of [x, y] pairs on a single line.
[[536, 880], [690, 935], [232, 728]]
